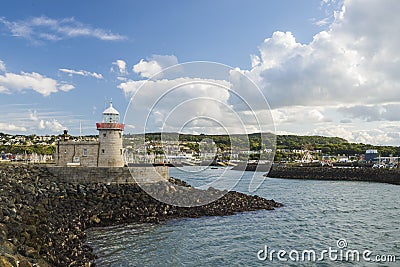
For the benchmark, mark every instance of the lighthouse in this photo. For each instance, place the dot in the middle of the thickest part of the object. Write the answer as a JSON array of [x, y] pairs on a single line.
[[110, 139]]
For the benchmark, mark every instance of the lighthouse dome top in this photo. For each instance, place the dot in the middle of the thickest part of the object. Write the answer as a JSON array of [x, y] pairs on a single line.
[[111, 110], [110, 115]]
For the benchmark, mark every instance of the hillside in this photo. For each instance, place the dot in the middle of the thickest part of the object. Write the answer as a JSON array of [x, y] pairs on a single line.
[[327, 145], [19, 144]]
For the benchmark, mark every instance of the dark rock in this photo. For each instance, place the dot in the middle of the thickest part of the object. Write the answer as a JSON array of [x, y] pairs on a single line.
[[4, 262], [43, 218]]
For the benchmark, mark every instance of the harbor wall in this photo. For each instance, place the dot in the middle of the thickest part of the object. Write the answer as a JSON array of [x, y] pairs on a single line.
[[339, 174], [110, 175]]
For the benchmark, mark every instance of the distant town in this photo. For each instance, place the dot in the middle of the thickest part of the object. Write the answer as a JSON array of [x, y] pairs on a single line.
[[195, 149]]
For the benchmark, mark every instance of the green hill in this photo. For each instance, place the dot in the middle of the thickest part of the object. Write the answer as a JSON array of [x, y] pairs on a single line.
[[327, 145]]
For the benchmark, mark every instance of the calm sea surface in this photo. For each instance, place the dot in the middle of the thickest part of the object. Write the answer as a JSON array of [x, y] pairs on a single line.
[[365, 216]]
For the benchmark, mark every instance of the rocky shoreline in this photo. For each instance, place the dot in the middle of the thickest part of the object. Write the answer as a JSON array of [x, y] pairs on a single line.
[[43, 219]]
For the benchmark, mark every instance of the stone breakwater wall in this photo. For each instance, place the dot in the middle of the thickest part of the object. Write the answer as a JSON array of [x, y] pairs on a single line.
[[107, 175], [325, 173], [43, 216], [252, 167]]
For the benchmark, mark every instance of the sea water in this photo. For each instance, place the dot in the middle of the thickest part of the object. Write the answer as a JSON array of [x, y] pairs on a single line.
[[336, 220]]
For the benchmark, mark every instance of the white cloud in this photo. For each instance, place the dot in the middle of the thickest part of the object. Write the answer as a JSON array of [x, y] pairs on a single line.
[[164, 60], [187, 104], [153, 65], [331, 9], [200, 105], [348, 73], [188, 88], [82, 73], [2, 66], [385, 135], [41, 125], [11, 127], [56, 126], [147, 69], [355, 61], [121, 64], [129, 88], [40, 29], [255, 60], [66, 87], [33, 116], [322, 22], [53, 126], [300, 115], [122, 79], [10, 82]]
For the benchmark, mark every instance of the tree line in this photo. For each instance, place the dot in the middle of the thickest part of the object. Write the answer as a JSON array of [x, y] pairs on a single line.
[[257, 142], [253, 142]]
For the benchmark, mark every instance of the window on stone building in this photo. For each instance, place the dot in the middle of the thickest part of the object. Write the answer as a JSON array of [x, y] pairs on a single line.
[[85, 152], [104, 135], [102, 151], [120, 151], [120, 136]]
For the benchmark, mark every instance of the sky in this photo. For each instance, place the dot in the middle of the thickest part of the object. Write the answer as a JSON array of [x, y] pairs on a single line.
[[324, 67]]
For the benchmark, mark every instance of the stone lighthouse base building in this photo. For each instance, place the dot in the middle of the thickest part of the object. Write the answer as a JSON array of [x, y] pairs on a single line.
[[107, 152]]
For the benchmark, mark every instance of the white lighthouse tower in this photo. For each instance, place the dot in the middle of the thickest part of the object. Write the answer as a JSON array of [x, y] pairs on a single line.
[[110, 139]]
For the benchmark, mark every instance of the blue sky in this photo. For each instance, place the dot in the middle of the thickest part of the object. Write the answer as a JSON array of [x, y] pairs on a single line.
[[61, 60]]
